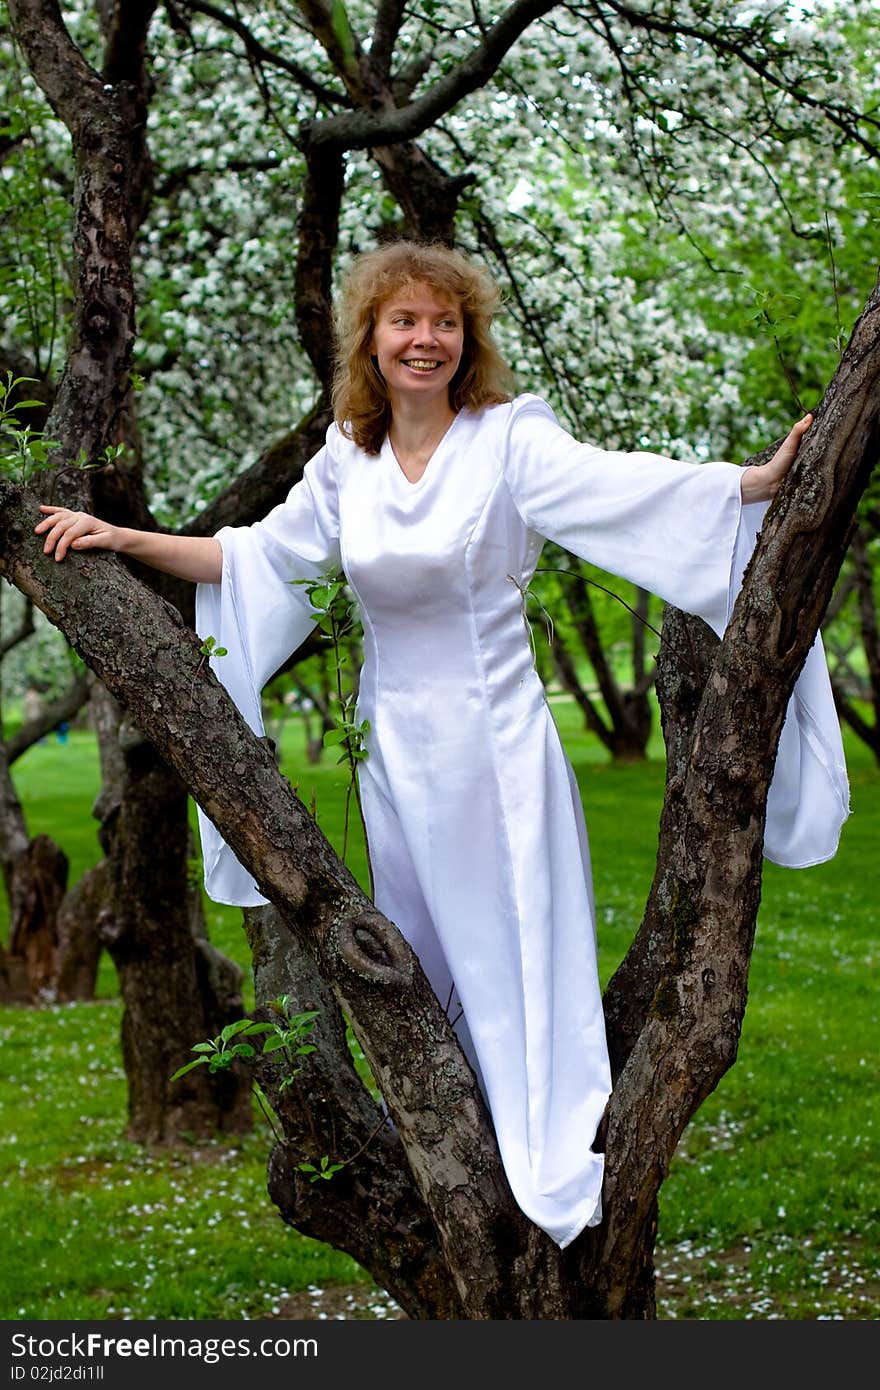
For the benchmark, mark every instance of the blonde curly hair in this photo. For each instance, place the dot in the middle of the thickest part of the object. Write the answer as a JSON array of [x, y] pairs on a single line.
[[361, 406]]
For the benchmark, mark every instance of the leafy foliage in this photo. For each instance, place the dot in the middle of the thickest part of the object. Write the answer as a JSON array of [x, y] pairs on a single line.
[[23, 451]]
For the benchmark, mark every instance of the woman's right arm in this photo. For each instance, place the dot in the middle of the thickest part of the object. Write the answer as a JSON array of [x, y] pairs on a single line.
[[196, 558]]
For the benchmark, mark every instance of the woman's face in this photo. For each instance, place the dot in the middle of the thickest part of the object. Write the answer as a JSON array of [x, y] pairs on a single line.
[[418, 341]]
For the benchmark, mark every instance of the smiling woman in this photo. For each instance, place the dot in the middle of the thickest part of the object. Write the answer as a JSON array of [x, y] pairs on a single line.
[[434, 492], [416, 347]]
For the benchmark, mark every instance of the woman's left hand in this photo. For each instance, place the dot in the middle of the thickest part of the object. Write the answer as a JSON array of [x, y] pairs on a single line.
[[760, 482]]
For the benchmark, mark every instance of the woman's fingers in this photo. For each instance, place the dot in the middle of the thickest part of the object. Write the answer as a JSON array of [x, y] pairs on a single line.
[[801, 426], [785, 454], [63, 528]]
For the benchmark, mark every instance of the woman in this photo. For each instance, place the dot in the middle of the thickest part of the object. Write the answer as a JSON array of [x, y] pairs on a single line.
[[434, 492]]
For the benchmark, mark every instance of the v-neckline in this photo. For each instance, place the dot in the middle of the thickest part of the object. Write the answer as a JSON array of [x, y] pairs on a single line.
[[398, 467]]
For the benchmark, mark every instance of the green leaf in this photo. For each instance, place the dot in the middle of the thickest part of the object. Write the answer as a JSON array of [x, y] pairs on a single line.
[[181, 1071], [204, 1047], [273, 1044], [232, 1029], [334, 736]]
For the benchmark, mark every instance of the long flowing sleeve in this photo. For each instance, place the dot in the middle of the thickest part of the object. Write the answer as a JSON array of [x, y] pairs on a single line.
[[681, 531], [260, 614]]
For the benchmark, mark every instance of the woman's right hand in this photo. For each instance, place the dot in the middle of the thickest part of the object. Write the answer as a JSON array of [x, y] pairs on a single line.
[[198, 559], [66, 530]]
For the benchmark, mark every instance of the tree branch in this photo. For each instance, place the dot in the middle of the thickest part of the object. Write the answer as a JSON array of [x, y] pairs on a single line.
[[66, 707], [709, 893], [71, 86], [372, 1208], [331, 26], [845, 118], [260, 54], [125, 50], [23, 631], [389, 18], [253, 493], [363, 129], [149, 661], [317, 238]]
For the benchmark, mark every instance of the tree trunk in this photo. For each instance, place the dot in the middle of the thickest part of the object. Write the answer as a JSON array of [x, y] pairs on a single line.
[[863, 578], [176, 989], [39, 880], [79, 936], [327, 1110], [424, 1200], [35, 877], [627, 727], [706, 891]]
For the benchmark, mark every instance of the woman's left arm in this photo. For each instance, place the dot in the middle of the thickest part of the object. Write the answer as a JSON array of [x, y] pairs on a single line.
[[760, 482]]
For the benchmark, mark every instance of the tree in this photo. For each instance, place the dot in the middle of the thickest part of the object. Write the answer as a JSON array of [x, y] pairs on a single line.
[[443, 1247], [150, 922]]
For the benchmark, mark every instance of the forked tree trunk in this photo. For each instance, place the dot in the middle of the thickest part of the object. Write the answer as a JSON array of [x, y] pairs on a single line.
[[437, 1174], [424, 1202]]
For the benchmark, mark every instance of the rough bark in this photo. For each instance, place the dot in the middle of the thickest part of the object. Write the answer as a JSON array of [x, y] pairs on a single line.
[[684, 662], [372, 1208], [106, 122], [38, 885]]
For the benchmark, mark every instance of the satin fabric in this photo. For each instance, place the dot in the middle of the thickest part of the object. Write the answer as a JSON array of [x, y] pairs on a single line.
[[474, 821]]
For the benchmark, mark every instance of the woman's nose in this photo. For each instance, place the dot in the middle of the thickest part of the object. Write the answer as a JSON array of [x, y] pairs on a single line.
[[425, 332]]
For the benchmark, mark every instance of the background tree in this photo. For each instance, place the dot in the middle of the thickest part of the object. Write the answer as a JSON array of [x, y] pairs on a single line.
[[374, 134]]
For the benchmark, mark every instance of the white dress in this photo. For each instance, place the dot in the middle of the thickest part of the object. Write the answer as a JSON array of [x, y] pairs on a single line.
[[473, 816]]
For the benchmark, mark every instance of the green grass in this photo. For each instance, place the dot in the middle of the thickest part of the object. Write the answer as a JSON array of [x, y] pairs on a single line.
[[772, 1206]]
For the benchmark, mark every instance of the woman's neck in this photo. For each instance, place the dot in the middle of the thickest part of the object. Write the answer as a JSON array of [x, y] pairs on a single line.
[[415, 431]]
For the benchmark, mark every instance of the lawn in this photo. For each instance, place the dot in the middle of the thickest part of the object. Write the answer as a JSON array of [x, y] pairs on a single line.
[[772, 1206]]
